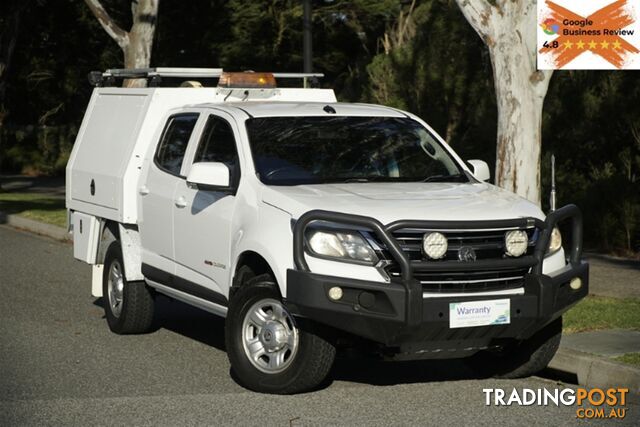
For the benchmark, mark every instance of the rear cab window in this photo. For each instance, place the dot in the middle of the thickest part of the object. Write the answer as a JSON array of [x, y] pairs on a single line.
[[174, 141]]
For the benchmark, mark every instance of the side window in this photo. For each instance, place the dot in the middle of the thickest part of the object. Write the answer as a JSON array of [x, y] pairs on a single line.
[[218, 145], [173, 144]]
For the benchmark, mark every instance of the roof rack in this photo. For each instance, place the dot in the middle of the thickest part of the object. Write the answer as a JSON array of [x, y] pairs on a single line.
[[155, 75]]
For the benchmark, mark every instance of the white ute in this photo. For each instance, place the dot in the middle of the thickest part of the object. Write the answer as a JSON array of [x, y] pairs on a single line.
[[311, 226]]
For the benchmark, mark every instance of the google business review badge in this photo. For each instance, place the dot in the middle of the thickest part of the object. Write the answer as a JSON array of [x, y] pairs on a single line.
[[588, 35]]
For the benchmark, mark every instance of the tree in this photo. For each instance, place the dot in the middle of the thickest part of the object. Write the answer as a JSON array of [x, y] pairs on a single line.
[[508, 28], [8, 40], [138, 41], [432, 64]]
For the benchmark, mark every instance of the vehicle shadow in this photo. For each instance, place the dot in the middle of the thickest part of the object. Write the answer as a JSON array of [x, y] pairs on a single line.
[[185, 320], [189, 321], [208, 329], [383, 373]]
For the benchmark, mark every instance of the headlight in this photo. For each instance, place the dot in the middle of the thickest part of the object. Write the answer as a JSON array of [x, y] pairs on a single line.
[[348, 246], [555, 241], [516, 242]]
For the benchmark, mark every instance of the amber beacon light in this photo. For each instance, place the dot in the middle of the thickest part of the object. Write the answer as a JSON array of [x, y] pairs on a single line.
[[247, 80]]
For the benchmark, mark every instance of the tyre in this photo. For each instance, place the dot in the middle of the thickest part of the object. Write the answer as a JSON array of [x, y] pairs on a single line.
[[523, 359], [128, 306], [268, 352]]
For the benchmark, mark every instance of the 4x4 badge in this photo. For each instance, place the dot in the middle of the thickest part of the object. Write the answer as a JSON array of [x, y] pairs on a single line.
[[466, 253]]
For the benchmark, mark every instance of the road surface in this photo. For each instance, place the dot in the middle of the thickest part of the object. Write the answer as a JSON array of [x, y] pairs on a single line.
[[60, 365]]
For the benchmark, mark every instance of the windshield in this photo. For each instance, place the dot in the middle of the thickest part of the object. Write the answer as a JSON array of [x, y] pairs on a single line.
[[316, 150]]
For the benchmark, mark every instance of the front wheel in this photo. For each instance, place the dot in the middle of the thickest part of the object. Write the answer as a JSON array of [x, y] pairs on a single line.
[[523, 359], [268, 352]]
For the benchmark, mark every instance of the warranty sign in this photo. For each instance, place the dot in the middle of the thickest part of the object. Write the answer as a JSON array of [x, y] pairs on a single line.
[[588, 35]]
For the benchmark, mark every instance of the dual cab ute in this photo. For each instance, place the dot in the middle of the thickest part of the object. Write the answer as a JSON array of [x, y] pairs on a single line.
[[311, 226]]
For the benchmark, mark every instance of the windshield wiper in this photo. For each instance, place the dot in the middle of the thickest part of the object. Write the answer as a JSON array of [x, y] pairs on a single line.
[[363, 179], [444, 178]]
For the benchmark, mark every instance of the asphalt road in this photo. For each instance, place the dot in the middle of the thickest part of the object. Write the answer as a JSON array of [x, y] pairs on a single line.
[[60, 365]]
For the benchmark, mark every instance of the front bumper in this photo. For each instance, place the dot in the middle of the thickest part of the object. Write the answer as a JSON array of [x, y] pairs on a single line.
[[397, 315]]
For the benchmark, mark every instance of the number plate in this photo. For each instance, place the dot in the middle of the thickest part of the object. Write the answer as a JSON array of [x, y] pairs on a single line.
[[479, 313]]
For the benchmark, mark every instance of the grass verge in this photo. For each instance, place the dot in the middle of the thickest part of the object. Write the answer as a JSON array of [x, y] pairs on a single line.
[[38, 207], [630, 359], [594, 313]]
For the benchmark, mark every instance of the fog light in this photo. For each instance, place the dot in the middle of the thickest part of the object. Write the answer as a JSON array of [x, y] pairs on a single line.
[[335, 293], [575, 283]]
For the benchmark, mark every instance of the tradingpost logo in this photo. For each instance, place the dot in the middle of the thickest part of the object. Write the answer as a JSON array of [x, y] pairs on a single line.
[[595, 403]]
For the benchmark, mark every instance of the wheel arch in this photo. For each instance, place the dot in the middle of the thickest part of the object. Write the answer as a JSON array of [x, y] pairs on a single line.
[[129, 239], [249, 264]]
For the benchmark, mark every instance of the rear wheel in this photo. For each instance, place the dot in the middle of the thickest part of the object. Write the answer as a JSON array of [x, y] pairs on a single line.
[[521, 360], [268, 351], [128, 305]]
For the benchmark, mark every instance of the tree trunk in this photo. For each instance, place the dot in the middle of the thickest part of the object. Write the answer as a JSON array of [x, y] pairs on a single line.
[[137, 43], [508, 27]]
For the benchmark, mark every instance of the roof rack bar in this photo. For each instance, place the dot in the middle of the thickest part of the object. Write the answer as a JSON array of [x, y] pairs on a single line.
[[189, 72], [155, 75], [297, 75], [163, 72]]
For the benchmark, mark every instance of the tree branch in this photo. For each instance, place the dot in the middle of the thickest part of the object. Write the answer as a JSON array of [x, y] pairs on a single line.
[[118, 34], [479, 14]]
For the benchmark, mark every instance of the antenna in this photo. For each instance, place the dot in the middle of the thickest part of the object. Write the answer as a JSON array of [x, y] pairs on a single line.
[[552, 198]]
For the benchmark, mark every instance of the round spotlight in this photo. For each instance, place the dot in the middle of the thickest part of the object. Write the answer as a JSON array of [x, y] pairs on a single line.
[[435, 245], [335, 293], [516, 242], [575, 283]]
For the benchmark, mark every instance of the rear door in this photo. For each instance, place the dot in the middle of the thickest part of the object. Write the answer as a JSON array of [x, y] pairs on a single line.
[[202, 226], [157, 196]]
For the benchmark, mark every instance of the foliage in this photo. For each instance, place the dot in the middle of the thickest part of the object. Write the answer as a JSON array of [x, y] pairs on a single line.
[[420, 55], [630, 359], [35, 206], [595, 313]]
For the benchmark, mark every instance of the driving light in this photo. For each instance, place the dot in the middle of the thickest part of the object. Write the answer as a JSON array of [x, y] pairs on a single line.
[[349, 246], [555, 241], [516, 242], [435, 245], [575, 283], [335, 293]]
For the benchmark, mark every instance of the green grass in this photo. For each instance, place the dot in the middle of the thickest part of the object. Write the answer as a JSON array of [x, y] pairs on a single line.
[[38, 207], [630, 359], [594, 313]]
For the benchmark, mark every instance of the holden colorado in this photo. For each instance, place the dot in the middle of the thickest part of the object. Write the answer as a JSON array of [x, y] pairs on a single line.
[[312, 226]]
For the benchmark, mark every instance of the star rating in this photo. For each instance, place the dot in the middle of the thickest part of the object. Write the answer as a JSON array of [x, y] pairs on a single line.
[[592, 44], [580, 44], [604, 44], [567, 44], [616, 45]]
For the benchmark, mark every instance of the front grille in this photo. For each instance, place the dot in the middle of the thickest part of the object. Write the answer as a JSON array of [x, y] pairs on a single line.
[[487, 244], [467, 281]]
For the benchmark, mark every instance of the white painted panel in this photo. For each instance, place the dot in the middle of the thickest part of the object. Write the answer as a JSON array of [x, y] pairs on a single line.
[[85, 237], [106, 147]]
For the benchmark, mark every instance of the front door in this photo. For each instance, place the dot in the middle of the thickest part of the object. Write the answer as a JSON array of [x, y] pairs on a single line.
[[203, 225]]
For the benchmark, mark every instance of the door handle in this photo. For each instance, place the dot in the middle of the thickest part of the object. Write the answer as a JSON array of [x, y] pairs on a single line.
[[143, 190], [180, 202]]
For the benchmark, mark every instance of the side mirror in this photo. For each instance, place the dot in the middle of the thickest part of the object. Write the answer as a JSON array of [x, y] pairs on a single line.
[[212, 176], [480, 170]]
